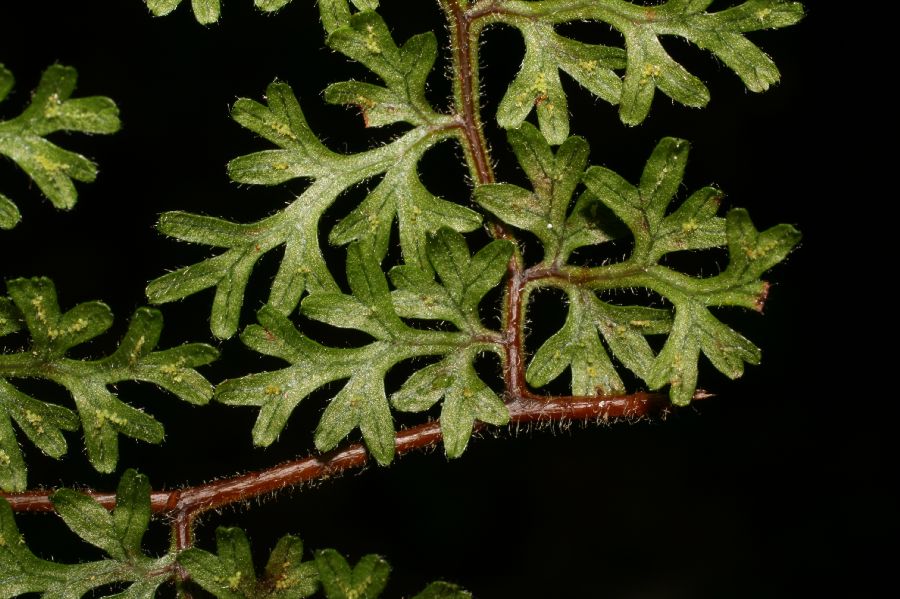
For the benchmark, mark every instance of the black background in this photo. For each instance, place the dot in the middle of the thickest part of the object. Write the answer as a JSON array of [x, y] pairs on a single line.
[[775, 488]]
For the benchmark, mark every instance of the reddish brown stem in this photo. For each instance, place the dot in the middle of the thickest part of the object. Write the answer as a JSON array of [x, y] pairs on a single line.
[[465, 86], [184, 505], [514, 369], [187, 503]]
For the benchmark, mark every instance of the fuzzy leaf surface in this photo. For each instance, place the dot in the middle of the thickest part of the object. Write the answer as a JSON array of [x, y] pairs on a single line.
[[270, 5], [647, 64], [695, 329], [101, 414], [466, 399], [118, 533], [23, 138], [335, 14], [643, 208], [597, 331], [229, 573], [362, 402], [544, 210], [365, 38], [537, 85], [368, 578], [10, 317], [209, 11], [693, 225], [464, 281], [205, 11], [443, 590], [399, 196], [577, 345]]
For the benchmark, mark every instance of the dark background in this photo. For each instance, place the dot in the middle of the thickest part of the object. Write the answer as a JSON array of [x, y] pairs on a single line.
[[775, 488]]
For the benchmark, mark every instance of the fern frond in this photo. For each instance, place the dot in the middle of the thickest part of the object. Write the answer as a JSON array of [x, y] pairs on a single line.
[[399, 196], [23, 138], [363, 402], [647, 65], [657, 230], [103, 416], [118, 534]]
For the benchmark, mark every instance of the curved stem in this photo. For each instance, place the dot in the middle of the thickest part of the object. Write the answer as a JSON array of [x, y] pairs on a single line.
[[187, 503]]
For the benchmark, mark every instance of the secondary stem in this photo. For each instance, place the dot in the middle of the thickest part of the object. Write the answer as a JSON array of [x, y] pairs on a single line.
[[464, 46]]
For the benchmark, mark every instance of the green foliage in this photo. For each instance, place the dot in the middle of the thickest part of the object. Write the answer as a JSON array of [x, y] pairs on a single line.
[[399, 196], [443, 590], [364, 37], [440, 280], [205, 11], [578, 347], [336, 13], [227, 574], [647, 65], [118, 533], [363, 402], [544, 210], [657, 230], [368, 578], [22, 139], [208, 11], [538, 86], [32, 305], [230, 573]]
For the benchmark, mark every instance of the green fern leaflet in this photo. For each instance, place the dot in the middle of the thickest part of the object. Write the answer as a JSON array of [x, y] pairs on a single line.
[[646, 63], [23, 139], [400, 196], [363, 402], [118, 534], [657, 230], [33, 306]]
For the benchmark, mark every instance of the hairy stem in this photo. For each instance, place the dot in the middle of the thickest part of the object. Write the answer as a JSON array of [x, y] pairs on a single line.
[[514, 325], [187, 503], [464, 46]]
